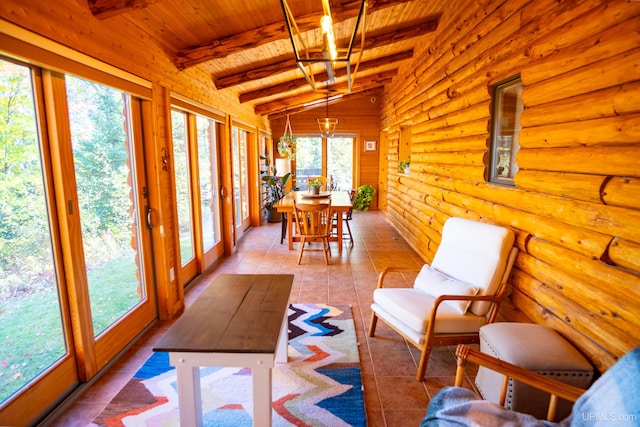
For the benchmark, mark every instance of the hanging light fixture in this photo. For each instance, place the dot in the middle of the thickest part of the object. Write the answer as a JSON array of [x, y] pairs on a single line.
[[328, 54], [327, 125]]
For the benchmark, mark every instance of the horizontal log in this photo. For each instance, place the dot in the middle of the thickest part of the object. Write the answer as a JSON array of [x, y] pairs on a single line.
[[601, 358], [614, 130], [611, 160], [596, 277], [615, 71], [573, 314], [498, 34], [622, 192], [478, 127], [466, 173], [593, 105], [490, 20], [463, 158], [543, 216], [472, 96], [469, 114], [625, 254], [470, 143], [581, 293], [570, 185], [597, 41]]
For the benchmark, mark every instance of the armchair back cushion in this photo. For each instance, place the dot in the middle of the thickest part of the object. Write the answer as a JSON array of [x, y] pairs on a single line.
[[435, 284], [476, 254]]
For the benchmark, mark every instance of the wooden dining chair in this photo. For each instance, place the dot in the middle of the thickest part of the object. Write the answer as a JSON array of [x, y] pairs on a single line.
[[346, 219], [313, 223]]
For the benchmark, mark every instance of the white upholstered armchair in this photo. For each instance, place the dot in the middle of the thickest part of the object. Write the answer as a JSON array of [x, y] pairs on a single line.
[[454, 296]]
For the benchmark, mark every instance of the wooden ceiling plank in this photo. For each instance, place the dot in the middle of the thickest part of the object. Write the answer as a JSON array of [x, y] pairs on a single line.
[[342, 72], [103, 9], [225, 46], [379, 38]]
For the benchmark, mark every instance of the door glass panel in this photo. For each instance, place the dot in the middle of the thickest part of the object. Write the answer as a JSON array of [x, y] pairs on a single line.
[[31, 331], [308, 161], [106, 183], [207, 167], [340, 162], [240, 177], [182, 178]]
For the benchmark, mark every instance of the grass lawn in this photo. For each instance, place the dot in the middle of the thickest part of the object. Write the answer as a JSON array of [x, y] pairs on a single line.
[[31, 327]]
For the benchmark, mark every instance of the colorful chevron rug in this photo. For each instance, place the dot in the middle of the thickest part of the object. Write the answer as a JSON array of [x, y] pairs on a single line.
[[321, 385]]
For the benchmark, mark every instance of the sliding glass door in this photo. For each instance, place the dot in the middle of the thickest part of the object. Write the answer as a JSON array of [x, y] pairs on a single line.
[[197, 190], [34, 318], [239, 152], [74, 251]]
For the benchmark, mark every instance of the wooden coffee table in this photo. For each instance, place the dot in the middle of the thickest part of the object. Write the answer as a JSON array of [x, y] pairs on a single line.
[[240, 320]]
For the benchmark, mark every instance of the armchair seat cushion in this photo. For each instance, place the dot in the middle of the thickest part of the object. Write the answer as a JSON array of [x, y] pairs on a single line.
[[408, 310]]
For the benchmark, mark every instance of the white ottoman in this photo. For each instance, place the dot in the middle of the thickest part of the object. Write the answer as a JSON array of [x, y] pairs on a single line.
[[537, 348]]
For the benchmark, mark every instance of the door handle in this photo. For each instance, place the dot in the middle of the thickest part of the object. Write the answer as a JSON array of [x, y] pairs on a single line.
[[149, 222]]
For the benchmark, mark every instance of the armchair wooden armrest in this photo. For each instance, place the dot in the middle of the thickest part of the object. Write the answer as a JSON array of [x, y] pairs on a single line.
[[555, 388], [387, 270]]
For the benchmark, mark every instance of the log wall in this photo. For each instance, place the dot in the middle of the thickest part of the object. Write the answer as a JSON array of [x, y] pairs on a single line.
[[576, 202]]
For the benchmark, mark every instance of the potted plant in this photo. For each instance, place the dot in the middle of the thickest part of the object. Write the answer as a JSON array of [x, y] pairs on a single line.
[[287, 146], [314, 186], [404, 166], [363, 197], [275, 188]]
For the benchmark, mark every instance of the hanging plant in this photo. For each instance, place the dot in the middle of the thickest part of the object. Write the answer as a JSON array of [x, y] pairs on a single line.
[[288, 142]]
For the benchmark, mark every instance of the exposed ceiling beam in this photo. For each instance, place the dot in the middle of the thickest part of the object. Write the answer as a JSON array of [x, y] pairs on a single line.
[[302, 82], [379, 38], [289, 103], [321, 102], [234, 43], [103, 9]]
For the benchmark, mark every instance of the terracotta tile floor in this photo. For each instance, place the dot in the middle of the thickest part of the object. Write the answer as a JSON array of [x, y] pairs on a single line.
[[392, 396]]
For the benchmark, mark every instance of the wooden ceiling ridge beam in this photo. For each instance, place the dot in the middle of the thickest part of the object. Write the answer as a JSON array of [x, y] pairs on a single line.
[[382, 37], [341, 72], [274, 31], [103, 9], [291, 102]]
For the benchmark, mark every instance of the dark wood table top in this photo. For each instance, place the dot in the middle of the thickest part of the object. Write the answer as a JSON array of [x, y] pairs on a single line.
[[237, 313]]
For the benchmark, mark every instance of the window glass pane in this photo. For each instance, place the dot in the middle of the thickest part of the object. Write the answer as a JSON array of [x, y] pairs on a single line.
[[244, 174], [505, 127], [31, 331], [207, 167], [182, 179], [103, 159], [308, 161], [340, 162]]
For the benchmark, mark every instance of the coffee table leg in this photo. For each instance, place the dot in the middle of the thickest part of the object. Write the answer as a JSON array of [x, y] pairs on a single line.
[[189, 400], [261, 397], [282, 355]]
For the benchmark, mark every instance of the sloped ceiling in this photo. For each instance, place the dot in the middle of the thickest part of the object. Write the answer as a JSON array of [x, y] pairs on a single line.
[[245, 47]]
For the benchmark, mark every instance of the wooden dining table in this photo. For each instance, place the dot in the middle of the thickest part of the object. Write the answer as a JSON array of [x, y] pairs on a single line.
[[340, 204]]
